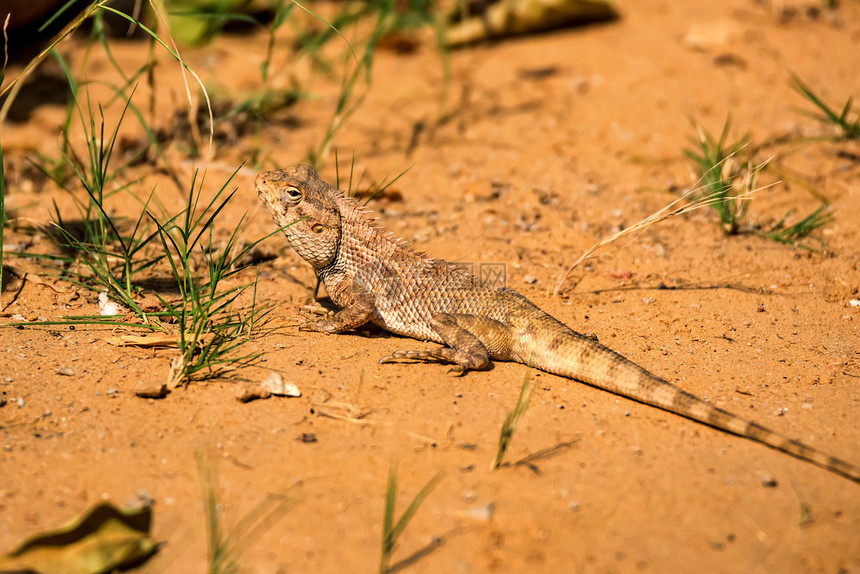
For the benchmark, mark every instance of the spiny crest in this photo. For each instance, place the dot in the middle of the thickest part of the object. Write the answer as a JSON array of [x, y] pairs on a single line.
[[354, 212]]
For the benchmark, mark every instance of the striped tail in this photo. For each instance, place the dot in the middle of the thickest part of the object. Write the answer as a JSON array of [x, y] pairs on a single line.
[[562, 351]]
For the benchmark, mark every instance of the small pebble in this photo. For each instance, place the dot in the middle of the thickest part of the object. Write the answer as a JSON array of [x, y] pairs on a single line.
[[21, 402], [768, 480], [66, 372], [275, 384], [308, 437], [530, 279], [248, 394], [150, 390], [483, 512]]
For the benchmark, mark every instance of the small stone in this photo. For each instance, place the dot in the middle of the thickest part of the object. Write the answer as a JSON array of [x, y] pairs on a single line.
[[711, 34], [21, 402], [66, 372], [108, 307], [248, 394], [854, 302], [2, 401], [530, 279], [150, 390], [308, 437], [112, 391], [291, 390], [274, 384], [573, 505], [483, 512], [768, 481]]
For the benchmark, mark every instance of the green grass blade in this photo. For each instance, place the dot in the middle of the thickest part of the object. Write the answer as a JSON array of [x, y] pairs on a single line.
[[509, 427], [390, 531]]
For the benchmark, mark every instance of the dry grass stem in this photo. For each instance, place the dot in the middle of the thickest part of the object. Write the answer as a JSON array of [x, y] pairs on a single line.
[[677, 207]]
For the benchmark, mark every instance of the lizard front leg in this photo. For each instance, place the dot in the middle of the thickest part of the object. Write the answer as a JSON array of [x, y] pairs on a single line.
[[464, 349], [350, 317]]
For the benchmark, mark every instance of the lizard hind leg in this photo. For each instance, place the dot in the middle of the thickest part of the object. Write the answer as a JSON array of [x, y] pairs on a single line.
[[465, 351]]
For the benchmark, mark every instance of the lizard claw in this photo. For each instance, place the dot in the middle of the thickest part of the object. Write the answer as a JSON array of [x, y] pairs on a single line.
[[318, 326], [409, 355]]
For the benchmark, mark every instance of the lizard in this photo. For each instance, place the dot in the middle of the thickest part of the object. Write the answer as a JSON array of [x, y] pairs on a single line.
[[374, 277]]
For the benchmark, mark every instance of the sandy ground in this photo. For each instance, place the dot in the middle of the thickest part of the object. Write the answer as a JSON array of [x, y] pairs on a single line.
[[549, 144]]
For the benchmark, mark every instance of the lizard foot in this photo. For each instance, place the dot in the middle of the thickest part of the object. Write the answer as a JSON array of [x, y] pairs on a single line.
[[317, 309], [319, 326], [461, 361], [430, 356]]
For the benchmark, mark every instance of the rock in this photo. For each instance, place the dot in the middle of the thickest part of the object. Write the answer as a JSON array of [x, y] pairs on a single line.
[[483, 512], [711, 34], [767, 480], [275, 384], [150, 390], [248, 394], [108, 307]]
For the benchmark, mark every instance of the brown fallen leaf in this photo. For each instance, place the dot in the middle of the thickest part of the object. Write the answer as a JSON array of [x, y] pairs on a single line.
[[157, 340], [39, 281], [103, 539], [621, 273], [153, 340]]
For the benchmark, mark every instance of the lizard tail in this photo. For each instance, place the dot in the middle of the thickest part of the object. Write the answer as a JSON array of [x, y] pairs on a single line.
[[569, 354]]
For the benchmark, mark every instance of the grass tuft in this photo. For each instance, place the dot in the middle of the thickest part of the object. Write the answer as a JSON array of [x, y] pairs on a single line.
[[509, 427], [793, 234], [349, 101], [391, 531], [720, 173], [849, 129], [210, 330], [226, 548], [112, 257]]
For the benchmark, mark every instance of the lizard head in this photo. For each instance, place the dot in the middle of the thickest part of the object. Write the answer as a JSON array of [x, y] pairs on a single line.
[[305, 206]]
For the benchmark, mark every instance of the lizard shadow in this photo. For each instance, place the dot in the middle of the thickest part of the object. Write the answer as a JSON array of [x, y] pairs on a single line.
[[680, 287]]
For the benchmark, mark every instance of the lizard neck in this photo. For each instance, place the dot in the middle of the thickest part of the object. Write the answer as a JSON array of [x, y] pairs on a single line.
[[368, 257]]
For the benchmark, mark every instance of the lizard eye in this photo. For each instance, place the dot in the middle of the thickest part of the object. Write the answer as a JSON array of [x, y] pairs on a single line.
[[317, 228], [293, 194]]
